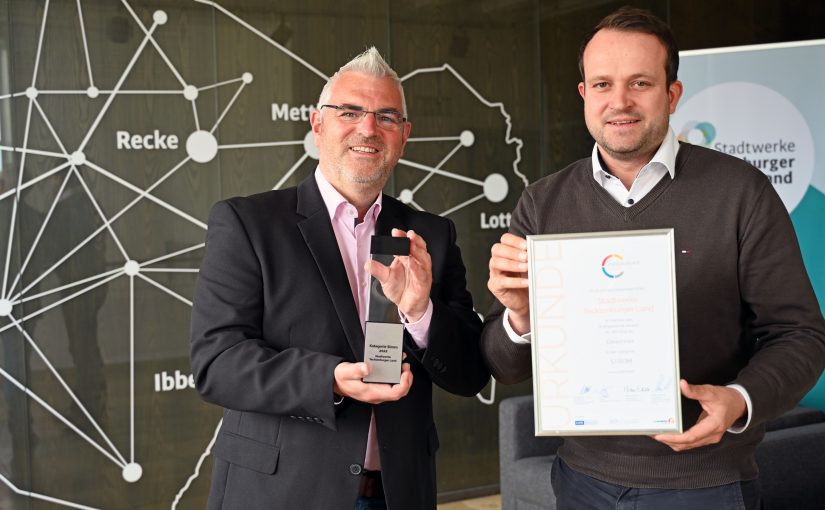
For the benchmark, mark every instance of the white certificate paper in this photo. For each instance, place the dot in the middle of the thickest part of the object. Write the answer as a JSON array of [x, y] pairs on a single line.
[[604, 333]]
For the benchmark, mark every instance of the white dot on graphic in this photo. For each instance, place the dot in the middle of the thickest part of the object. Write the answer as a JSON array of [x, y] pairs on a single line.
[[132, 472], [5, 307], [93, 92], [696, 137], [201, 146], [309, 146], [467, 138], [131, 268], [405, 196], [77, 158], [246, 77], [495, 187], [160, 17], [190, 92], [31, 92]]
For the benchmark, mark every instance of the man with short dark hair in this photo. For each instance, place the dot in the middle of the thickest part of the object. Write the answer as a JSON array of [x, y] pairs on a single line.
[[751, 334], [279, 313]]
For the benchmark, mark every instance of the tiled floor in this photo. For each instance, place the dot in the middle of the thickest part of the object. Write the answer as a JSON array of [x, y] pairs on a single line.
[[485, 503]]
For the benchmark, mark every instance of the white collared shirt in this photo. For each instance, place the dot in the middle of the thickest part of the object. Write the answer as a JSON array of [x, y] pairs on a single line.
[[663, 162]]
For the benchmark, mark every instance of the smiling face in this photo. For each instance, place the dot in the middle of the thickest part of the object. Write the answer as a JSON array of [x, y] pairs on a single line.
[[357, 158], [627, 101]]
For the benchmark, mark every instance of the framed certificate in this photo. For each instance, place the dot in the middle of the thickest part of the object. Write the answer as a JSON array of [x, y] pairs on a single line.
[[605, 347]]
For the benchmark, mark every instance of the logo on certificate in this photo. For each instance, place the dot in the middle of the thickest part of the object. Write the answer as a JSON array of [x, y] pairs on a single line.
[[610, 265]]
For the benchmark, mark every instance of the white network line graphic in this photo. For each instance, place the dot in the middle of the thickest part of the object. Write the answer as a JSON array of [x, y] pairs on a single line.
[[201, 146], [197, 472], [494, 187]]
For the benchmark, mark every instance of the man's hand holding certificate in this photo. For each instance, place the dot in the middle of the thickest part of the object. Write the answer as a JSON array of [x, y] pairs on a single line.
[[508, 280], [602, 316]]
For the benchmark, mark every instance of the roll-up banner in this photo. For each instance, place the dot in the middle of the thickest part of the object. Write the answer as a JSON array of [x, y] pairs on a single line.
[[764, 104]]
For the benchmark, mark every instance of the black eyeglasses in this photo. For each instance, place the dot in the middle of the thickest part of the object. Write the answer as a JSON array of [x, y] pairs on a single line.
[[390, 120]]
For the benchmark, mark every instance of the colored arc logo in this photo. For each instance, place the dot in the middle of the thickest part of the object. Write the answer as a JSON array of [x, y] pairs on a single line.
[[607, 261], [701, 133]]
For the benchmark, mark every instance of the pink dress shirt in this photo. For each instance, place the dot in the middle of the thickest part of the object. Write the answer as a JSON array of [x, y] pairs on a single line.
[[354, 245]]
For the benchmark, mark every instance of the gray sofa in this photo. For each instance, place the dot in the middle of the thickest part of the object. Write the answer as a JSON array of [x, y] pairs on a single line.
[[791, 460]]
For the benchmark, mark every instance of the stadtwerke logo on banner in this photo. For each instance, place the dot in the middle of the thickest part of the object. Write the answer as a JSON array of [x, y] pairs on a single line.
[[698, 133], [754, 123]]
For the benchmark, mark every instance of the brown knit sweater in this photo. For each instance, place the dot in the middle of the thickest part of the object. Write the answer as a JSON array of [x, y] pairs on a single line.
[[747, 312]]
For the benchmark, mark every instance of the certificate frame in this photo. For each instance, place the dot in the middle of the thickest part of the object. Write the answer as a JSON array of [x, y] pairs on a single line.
[[604, 341]]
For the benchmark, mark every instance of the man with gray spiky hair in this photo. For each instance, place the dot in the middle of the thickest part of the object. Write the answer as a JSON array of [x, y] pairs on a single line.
[[279, 314]]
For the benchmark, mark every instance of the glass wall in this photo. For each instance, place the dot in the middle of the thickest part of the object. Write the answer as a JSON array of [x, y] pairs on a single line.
[[122, 122]]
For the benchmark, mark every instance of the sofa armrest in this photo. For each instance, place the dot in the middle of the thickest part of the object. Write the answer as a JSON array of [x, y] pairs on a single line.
[[525, 459], [796, 417], [516, 432]]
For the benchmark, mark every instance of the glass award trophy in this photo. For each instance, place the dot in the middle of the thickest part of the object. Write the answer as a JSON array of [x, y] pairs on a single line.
[[383, 332]]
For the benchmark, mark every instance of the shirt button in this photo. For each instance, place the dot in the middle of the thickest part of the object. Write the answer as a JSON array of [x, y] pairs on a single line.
[[355, 469], [631, 201]]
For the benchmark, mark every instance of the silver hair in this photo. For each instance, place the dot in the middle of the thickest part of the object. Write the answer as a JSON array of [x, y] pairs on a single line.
[[370, 63]]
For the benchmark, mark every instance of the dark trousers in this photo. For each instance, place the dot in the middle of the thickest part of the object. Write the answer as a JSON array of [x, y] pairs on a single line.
[[577, 491], [371, 492], [365, 503]]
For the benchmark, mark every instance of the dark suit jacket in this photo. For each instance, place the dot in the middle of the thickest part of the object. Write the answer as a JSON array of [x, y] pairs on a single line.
[[273, 315]]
